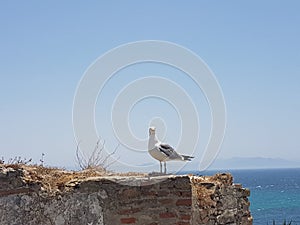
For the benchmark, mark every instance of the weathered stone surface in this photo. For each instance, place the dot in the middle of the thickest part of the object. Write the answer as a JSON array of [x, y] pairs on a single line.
[[216, 200], [106, 200], [75, 208]]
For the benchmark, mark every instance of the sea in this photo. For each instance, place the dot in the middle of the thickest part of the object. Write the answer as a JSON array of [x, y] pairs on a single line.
[[274, 194]]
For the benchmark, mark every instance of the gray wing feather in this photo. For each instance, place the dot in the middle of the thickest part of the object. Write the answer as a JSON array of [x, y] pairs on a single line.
[[169, 151]]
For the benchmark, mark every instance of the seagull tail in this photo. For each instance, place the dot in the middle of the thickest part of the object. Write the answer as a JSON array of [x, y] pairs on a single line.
[[187, 158]]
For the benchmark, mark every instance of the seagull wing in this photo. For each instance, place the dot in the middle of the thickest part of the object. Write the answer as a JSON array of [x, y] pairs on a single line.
[[169, 151]]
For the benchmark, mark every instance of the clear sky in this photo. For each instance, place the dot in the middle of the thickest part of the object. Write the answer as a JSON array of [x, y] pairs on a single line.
[[252, 47]]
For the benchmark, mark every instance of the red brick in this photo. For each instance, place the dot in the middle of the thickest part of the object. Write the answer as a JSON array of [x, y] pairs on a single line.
[[182, 223], [184, 202], [129, 211], [185, 217], [149, 193], [167, 215], [166, 201], [130, 220]]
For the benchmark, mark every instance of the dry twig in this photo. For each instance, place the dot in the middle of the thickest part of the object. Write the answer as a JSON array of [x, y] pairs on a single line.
[[97, 159]]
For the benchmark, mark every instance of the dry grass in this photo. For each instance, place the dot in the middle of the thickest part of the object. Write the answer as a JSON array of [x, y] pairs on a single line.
[[53, 180]]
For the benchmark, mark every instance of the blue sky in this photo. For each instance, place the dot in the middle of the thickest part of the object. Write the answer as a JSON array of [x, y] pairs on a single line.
[[251, 46]]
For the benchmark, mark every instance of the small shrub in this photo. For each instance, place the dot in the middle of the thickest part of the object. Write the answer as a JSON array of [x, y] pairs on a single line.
[[97, 160], [17, 160]]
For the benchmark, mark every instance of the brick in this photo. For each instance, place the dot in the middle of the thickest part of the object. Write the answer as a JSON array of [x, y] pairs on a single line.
[[163, 193], [166, 215], [185, 217], [184, 193], [130, 193], [15, 191], [130, 220], [182, 223], [166, 201], [129, 211], [184, 202], [149, 193]]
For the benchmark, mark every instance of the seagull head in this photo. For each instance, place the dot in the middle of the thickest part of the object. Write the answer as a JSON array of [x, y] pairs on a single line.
[[151, 131]]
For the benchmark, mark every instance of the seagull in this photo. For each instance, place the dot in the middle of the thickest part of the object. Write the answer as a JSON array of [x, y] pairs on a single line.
[[163, 152]]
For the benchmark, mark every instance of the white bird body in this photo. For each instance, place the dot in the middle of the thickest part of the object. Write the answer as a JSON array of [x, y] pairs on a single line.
[[163, 152]]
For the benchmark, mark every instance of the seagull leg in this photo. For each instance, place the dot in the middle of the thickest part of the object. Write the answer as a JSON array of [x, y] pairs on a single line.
[[165, 164], [160, 166]]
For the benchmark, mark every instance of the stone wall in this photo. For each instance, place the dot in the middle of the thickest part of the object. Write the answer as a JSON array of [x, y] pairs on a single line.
[[112, 200]]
